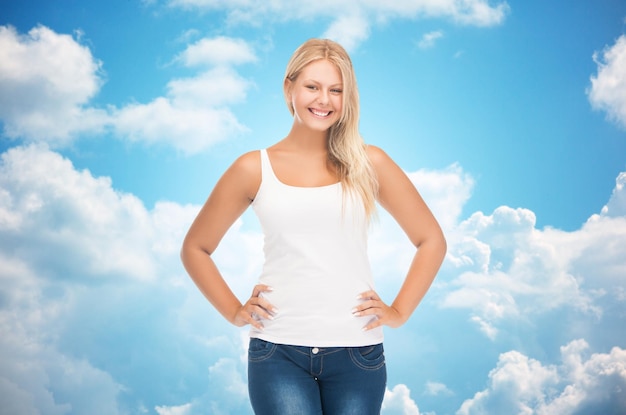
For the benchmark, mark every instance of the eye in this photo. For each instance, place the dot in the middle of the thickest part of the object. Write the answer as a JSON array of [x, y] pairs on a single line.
[[311, 87], [336, 91]]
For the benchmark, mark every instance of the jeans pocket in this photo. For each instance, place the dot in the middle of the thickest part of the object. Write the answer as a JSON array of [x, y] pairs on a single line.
[[259, 350], [368, 357]]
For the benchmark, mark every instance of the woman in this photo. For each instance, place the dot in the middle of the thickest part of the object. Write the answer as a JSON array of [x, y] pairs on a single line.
[[316, 320]]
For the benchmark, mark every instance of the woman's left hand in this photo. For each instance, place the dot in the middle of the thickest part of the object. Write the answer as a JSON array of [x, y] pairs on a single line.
[[372, 305]]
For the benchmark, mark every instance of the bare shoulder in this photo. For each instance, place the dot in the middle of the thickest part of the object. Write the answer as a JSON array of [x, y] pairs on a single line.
[[374, 152], [394, 186], [245, 174], [248, 164], [380, 160]]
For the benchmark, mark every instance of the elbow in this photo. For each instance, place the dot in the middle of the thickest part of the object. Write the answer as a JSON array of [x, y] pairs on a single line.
[[444, 246], [440, 241], [190, 248], [443, 242], [184, 252], [436, 241], [438, 244]]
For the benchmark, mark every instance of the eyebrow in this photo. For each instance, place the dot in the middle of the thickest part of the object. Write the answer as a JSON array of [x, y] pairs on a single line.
[[317, 82]]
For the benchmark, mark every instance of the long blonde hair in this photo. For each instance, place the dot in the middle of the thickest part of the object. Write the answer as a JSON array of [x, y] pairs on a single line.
[[346, 148]]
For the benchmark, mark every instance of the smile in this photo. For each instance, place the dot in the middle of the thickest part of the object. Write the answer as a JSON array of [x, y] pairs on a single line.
[[320, 113]]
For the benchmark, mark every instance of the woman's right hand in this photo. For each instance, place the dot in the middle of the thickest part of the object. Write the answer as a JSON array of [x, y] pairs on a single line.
[[257, 308]]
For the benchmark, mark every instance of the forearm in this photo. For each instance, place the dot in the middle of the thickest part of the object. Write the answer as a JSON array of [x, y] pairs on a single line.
[[205, 274], [422, 272]]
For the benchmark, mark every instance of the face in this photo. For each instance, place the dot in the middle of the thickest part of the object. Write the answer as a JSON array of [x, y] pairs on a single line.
[[317, 95]]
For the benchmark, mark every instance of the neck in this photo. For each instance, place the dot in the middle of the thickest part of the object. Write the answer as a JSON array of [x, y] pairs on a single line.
[[306, 139]]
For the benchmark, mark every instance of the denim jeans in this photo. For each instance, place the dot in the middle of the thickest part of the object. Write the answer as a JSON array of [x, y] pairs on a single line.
[[298, 380]]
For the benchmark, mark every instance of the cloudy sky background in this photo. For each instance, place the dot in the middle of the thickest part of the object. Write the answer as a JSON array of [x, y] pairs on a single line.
[[117, 119]]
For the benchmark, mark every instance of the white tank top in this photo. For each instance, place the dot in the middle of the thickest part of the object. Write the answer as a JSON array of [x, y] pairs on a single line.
[[316, 262]]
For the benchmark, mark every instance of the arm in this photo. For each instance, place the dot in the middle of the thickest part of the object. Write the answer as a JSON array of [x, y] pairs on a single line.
[[231, 196], [398, 196]]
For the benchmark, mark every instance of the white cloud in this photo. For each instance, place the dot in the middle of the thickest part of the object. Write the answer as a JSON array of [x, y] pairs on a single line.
[[580, 384], [486, 327], [216, 88], [617, 204], [500, 267], [226, 379], [471, 12], [218, 51], [608, 87], [55, 217], [226, 392], [437, 389], [355, 17], [509, 269], [398, 401], [74, 255], [596, 256], [173, 410], [516, 386], [428, 39], [46, 82], [34, 376], [190, 130], [88, 271], [349, 31], [62, 210], [478, 12], [195, 113], [445, 191]]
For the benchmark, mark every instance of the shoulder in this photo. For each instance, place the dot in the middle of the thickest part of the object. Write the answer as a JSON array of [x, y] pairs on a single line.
[[379, 159], [374, 152], [248, 163], [391, 178], [245, 173]]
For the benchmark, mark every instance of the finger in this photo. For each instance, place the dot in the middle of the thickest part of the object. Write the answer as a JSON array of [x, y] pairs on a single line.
[[256, 324], [371, 303], [266, 305], [368, 308], [263, 303], [260, 288], [373, 324], [368, 295], [262, 307], [262, 312], [249, 318]]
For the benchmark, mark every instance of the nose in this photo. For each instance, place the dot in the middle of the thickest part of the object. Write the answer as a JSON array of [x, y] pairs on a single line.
[[323, 97]]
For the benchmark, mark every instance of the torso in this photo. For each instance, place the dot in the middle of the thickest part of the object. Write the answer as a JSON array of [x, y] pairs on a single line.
[[314, 238], [301, 169], [291, 168]]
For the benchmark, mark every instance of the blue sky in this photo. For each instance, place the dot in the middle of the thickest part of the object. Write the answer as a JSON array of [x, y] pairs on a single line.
[[118, 117]]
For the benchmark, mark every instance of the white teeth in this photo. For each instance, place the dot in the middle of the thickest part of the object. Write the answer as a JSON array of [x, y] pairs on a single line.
[[320, 114]]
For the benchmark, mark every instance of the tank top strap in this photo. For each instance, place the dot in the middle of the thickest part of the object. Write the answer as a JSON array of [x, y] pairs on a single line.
[[267, 172], [266, 167]]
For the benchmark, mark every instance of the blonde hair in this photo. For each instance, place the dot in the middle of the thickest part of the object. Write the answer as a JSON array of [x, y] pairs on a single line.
[[346, 148]]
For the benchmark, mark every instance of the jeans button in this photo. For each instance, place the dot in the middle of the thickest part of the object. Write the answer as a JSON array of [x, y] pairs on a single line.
[[315, 350]]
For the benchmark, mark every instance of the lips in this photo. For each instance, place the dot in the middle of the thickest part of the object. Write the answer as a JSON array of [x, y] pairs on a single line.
[[320, 113]]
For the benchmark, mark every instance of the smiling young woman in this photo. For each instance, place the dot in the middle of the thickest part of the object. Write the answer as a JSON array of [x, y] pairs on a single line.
[[316, 96], [316, 321]]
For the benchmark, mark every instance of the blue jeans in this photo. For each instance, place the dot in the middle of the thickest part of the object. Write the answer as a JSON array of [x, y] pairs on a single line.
[[298, 380]]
